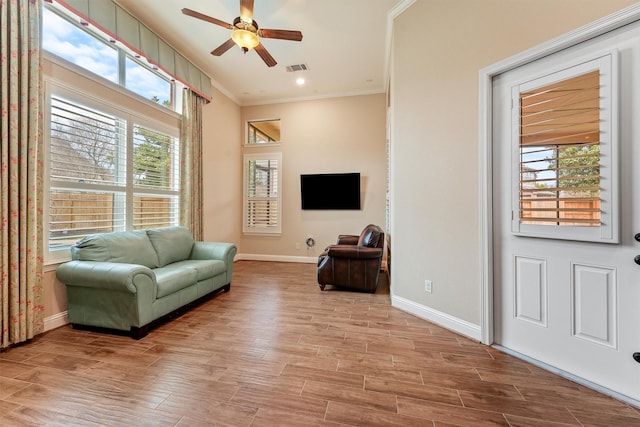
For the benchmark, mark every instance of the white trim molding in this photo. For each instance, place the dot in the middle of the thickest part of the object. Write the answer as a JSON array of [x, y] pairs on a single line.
[[485, 125], [56, 320], [439, 318]]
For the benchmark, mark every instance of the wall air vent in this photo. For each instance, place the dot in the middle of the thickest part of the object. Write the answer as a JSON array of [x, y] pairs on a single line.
[[297, 67]]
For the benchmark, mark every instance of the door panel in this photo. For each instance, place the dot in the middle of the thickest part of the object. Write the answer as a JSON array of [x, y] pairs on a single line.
[[574, 305]]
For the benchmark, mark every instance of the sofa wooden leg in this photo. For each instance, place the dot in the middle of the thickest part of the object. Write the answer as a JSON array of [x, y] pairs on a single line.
[[322, 287], [226, 288]]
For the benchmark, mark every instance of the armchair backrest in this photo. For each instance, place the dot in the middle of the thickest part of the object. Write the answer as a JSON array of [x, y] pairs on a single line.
[[372, 237]]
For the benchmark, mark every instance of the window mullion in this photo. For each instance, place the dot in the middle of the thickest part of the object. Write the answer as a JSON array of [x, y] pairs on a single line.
[[122, 68]]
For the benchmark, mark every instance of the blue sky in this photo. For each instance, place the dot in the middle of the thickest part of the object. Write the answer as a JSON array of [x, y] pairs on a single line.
[[75, 45]]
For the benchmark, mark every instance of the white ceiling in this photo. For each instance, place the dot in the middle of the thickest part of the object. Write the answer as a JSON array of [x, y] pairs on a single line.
[[345, 45]]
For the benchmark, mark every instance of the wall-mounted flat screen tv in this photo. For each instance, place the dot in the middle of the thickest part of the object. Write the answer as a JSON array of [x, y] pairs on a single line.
[[329, 191]]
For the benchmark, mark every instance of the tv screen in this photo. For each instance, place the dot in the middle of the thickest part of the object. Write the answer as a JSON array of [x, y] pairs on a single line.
[[328, 191]]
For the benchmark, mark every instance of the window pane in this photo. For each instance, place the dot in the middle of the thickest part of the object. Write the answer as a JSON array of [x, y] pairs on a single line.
[[560, 153], [70, 42], [155, 160], [86, 145], [146, 83], [150, 211], [263, 131], [75, 214]]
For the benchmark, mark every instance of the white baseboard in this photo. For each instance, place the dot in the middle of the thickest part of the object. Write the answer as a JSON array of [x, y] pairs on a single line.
[[56, 320], [276, 258], [445, 320]]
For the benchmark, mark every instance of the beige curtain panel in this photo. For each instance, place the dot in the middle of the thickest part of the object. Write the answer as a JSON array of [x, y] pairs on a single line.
[[21, 173]]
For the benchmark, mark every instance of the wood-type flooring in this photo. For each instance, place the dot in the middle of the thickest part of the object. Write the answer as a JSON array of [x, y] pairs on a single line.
[[277, 351]]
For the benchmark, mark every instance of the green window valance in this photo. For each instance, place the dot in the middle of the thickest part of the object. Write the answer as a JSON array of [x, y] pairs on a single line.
[[127, 29]]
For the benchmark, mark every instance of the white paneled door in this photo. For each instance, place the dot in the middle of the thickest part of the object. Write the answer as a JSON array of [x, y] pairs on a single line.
[[566, 204]]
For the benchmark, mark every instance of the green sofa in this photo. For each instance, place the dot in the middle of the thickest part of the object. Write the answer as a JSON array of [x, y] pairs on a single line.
[[130, 280]]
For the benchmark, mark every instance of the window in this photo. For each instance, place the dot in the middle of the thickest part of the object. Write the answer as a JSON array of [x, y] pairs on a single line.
[[262, 200], [147, 83], [108, 170], [68, 41], [95, 52], [564, 183], [260, 132]]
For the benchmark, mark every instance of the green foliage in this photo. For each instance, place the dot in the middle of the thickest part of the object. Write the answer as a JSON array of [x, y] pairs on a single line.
[[166, 102], [578, 167], [152, 159]]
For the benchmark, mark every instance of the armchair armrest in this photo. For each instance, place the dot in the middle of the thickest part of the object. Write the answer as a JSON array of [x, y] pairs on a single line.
[[107, 275], [347, 239], [354, 252]]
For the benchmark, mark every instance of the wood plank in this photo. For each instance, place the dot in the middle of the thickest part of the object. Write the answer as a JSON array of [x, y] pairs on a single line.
[[278, 351]]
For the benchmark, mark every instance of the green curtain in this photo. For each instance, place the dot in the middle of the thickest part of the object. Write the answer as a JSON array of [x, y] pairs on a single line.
[[21, 172], [191, 163]]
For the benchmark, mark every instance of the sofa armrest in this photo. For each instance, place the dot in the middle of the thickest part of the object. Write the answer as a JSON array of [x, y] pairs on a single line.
[[222, 251], [347, 239], [354, 252], [108, 275], [109, 294]]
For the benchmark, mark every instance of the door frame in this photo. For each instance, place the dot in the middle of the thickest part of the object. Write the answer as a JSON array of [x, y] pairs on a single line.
[[485, 85]]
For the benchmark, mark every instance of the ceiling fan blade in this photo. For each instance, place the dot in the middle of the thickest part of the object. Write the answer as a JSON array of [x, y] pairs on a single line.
[[266, 56], [246, 10], [223, 48], [280, 34], [199, 15]]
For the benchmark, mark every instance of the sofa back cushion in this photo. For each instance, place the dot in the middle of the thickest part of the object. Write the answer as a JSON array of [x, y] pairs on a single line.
[[132, 247], [371, 237], [172, 244]]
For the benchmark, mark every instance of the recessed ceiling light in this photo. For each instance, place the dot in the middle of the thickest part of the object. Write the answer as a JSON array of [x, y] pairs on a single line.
[[300, 81]]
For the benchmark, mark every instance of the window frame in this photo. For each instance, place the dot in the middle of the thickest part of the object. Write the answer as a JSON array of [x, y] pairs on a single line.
[[247, 136], [255, 230], [608, 231]]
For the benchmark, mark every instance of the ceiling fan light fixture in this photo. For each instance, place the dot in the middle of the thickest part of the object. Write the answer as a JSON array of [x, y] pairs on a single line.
[[246, 39], [245, 34]]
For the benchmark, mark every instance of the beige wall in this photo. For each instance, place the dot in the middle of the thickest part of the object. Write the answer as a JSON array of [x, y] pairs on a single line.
[[324, 136], [222, 170], [438, 49]]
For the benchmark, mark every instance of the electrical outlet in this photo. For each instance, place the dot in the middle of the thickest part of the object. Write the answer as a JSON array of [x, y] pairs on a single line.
[[428, 284], [298, 246]]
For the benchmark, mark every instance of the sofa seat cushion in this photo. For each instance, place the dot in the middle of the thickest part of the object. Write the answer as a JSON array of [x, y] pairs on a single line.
[[171, 279], [206, 268]]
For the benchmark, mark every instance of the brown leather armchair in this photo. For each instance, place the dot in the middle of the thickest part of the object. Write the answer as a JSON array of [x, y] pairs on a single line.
[[354, 262]]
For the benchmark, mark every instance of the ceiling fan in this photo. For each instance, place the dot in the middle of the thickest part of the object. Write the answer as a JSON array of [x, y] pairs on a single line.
[[246, 33]]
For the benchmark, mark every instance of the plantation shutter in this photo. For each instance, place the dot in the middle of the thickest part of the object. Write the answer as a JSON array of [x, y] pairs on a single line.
[[106, 172], [565, 140], [560, 152], [87, 164], [156, 178], [262, 211]]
